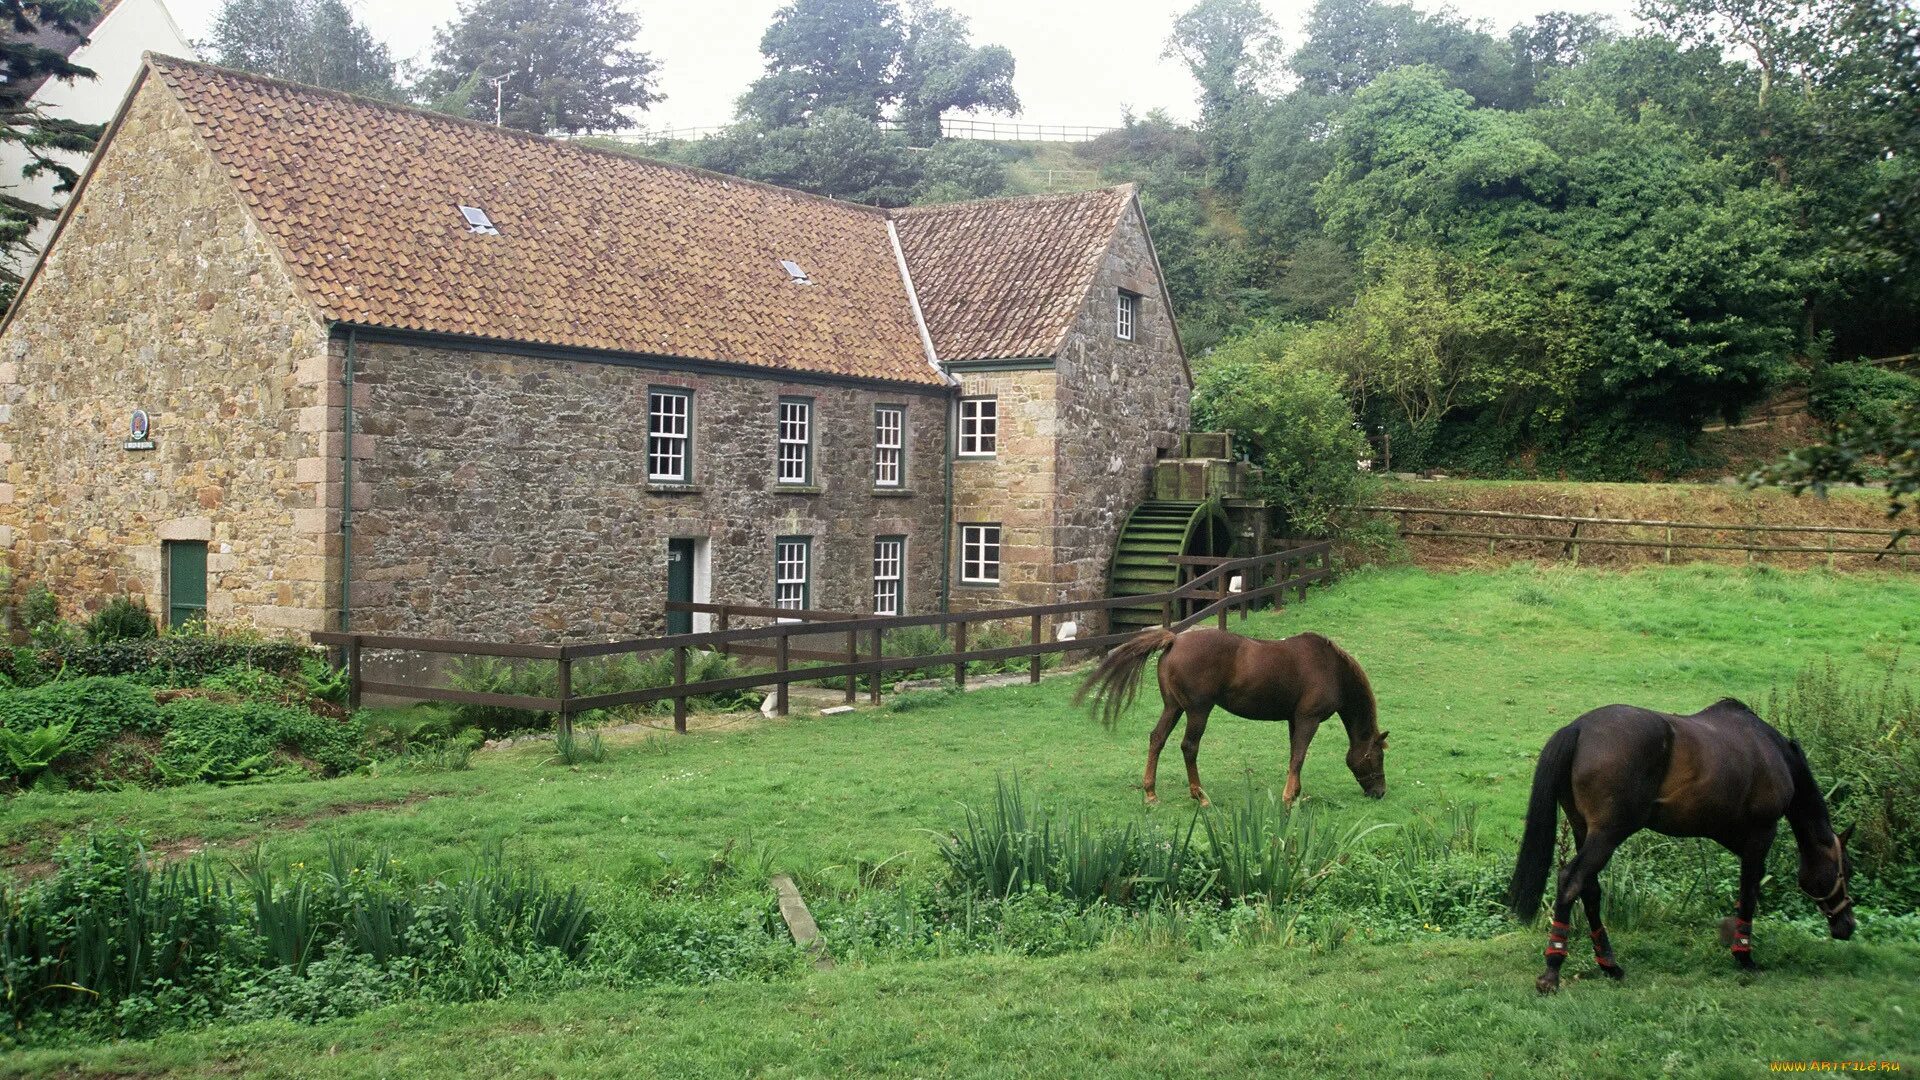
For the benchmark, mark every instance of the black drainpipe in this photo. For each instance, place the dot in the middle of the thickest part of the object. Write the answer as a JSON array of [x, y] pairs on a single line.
[[346, 492], [947, 524]]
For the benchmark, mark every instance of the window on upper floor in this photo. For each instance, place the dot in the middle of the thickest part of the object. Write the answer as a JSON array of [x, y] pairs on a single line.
[[889, 446], [979, 426], [670, 435], [796, 441], [1126, 315]]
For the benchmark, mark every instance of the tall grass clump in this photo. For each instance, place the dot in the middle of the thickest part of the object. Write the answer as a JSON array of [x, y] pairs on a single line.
[[1862, 738]]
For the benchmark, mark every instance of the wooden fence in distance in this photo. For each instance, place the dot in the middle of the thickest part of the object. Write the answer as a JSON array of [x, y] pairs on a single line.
[[1207, 595], [1881, 544]]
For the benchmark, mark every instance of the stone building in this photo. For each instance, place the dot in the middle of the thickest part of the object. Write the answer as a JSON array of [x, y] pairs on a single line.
[[299, 360]]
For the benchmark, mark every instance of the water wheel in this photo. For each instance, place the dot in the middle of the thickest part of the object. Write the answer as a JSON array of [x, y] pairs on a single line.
[[1154, 531]]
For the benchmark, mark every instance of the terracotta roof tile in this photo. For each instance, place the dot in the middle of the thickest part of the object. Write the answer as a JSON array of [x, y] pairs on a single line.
[[1005, 277], [600, 250]]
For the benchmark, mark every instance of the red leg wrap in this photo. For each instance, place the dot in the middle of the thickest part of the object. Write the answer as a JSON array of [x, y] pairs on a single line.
[[1557, 940], [1602, 949], [1742, 936]]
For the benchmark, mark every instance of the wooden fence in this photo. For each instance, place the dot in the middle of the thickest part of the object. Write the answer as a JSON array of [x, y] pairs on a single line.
[[1883, 545], [1207, 595]]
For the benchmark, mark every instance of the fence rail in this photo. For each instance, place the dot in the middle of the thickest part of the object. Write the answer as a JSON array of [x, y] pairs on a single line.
[[1208, 593], [1571, 542]]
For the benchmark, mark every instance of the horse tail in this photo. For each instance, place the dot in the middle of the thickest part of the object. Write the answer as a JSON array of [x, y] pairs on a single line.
[[1117, 680], [1551, 778]]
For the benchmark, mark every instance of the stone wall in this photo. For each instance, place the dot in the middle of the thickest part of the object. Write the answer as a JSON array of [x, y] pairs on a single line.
[[506, 496], [1122, 405], [162, 295], [1014, 488]]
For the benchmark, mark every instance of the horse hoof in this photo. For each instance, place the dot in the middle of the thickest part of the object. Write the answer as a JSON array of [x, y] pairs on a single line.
[[1613, 971], [1152, 799], [1547, 983], [1201, 798]]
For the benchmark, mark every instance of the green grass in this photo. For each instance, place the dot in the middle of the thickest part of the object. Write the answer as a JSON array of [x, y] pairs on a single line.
[[1436, 1008], [1473, 671]]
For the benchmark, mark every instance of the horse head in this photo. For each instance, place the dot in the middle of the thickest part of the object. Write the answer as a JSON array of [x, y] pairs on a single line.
[[1823, 876], [1367, 758]]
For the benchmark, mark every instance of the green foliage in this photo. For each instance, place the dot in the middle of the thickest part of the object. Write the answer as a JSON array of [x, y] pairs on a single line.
[[46, 144], [1861, 395], [217, 742], [1862, 739], [93, 710], [957, 169], [613, 674], [1889, 453], [839, 153], [571, 748], [27, 752], [1290, 419], [179, 659], [40, 618], [569, 65], [317, 42], [122, 619]]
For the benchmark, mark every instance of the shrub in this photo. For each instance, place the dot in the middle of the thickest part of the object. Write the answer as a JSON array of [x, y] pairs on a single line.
[[26, 753], [217, 742], [1863, 741], [1861, 395], [614, 674], [179, 659], [96, 710], [40, 618], [123, 619], [1291, 419]]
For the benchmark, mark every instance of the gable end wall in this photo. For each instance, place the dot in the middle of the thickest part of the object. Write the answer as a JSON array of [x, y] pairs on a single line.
[[162, 294]]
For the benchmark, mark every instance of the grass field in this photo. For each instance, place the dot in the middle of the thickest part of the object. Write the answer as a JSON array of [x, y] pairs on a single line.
[[1472, 670]]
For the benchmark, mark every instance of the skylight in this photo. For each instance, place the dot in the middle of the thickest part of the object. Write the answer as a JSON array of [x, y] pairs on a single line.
[[798, 275], [478, 221]]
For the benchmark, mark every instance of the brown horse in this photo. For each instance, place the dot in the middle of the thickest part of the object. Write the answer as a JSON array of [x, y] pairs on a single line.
[[1302, 680], [1722, 773]]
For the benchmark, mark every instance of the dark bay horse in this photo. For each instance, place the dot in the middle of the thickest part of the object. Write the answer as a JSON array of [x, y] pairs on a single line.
[[1722, 773], [1302, 680]]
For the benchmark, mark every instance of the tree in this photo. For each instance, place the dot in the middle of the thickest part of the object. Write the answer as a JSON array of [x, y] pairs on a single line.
[[941, 70], [1229, 47], [43, 139], [1554, 41], [568, 65], [1888, 452], [317, 42], [1290, 418], [840, 154], [1350, 43], [864, 56]]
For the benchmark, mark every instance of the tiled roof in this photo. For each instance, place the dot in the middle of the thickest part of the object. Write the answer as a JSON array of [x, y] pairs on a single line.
[[600, 250], [1005, 277]]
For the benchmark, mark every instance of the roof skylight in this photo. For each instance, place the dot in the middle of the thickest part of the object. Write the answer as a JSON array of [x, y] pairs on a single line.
[[478, 221], [798, 275]]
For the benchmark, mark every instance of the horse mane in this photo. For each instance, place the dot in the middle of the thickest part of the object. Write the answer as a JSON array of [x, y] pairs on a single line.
[[1365, 708]]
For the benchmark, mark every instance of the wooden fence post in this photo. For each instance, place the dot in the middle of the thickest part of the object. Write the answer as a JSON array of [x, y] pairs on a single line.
[[873, 691], [566, 696], [353, 673], [679, 683], [1572, 546], [1166, 614], [1669, 555], [780, 646], [853, 657], [1225, 601], [726, 647], [960, 646], [1033, 665]]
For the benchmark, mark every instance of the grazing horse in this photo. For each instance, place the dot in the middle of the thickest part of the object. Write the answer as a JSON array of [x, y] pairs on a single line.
[[1722, 773], [1302, 680]]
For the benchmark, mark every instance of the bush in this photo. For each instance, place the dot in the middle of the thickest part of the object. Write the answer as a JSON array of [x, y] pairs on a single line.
[[179, 659], [40, 618], [615, 674], [123, 619], [1863, 742], [1290, 419], [96, 710], [217, 742], [1861, 395]]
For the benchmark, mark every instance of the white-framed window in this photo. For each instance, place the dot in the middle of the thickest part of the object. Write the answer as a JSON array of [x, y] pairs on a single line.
[[889, 557], [979, 426], [669, 435], [1126, 313], [980, 554], [889, 445], [796, 441], [791, 562]]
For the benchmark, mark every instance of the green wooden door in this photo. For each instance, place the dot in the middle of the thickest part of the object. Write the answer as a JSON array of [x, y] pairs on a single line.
[[186, 582], [680, 584]]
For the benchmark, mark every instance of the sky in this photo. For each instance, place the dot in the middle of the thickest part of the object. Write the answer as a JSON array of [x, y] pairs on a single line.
[[1077, 61]]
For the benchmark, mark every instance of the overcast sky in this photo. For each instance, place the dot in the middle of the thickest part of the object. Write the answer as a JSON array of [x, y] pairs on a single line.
[[1078, 61]]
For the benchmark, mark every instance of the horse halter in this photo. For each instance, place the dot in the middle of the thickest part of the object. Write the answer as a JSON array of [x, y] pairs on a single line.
[[1839, 887]]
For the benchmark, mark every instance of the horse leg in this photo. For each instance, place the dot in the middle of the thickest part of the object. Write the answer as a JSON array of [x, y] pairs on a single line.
[[1753, 866], [1590, 899], [1190, 747], [1582, 869], [1155, 742], [1300, 731]]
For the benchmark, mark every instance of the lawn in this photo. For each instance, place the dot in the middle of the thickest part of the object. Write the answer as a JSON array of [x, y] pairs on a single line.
[[1473, 671]]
